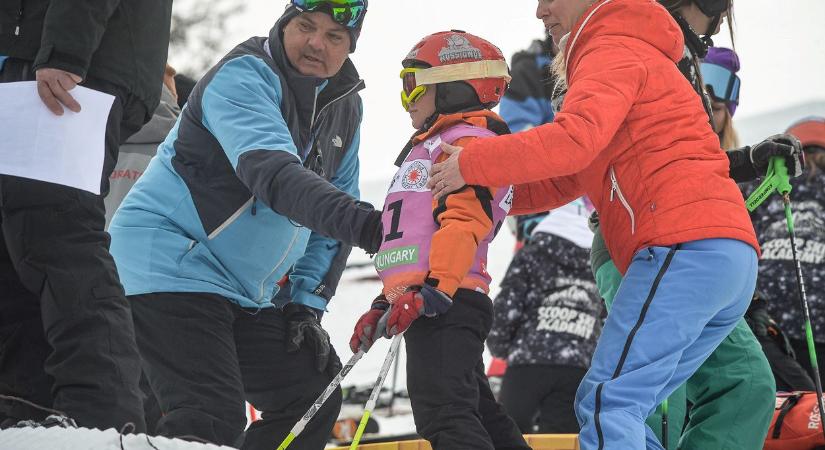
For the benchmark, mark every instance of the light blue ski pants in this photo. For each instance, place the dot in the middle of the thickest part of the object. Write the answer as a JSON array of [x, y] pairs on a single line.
[[673, 308]]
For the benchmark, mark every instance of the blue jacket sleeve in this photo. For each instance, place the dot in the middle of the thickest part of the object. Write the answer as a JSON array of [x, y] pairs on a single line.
[[526, 103], [242, 109], [316, 274], [524, 114]]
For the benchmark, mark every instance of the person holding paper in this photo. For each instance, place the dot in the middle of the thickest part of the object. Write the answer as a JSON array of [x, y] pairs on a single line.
[[66, 327], [232, 242]]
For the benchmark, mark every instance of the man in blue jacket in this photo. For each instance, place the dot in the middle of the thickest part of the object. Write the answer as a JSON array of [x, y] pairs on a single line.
[[228, 245]]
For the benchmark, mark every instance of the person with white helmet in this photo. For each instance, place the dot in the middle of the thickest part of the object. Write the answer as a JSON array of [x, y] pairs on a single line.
[[433, 259]]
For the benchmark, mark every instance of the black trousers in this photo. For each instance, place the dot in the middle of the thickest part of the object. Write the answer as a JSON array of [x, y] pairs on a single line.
[[800, 347], [203, 356], [452, 404], [789, 374], [543, 392], [66, 334]]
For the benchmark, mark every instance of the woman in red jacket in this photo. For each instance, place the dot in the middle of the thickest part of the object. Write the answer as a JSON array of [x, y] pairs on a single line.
[[634, 137]]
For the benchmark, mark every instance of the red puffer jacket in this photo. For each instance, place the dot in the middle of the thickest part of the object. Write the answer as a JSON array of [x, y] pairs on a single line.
[[632, 135]]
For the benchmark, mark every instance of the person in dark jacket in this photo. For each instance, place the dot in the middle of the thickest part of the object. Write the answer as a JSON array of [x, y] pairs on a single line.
[[777, 277], [789, 374], [527, 103], [233, 240], [183, 87], [67, 332], [546, 322]]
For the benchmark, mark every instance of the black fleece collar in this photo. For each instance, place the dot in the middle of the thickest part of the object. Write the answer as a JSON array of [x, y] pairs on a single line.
[[697, 45]]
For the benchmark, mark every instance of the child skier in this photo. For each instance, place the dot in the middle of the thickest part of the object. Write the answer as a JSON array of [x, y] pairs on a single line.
[[433, 258]]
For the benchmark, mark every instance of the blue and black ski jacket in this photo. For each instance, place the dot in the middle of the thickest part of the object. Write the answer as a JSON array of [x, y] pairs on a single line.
[[259, 157]]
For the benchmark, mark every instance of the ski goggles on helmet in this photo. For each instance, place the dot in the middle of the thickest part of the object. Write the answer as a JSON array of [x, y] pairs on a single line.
[[415, 79], [349, 13], [722, 84]]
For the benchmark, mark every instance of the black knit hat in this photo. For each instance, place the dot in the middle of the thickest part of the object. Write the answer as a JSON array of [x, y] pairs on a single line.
[[293, 11]]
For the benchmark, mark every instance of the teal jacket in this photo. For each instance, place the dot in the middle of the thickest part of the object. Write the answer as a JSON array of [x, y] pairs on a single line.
[[258, 179]]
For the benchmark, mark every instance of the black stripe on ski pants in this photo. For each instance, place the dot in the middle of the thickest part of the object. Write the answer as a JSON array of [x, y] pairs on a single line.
[[630, 336]]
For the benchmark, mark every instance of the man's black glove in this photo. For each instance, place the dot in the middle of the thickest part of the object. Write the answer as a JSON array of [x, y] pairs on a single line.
[[750, 163], [304, 327], [372, 234], [778, 145]]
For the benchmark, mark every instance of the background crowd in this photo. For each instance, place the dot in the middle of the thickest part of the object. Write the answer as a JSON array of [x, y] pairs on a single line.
[[237, 200]]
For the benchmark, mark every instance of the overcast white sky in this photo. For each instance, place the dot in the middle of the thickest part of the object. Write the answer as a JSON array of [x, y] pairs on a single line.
[[781, 44]]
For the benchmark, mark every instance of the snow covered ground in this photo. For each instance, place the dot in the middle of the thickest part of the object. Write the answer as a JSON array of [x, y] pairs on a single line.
[[84, 438]]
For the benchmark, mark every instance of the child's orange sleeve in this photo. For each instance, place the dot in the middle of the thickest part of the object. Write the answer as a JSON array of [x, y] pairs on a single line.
[[465, 218]]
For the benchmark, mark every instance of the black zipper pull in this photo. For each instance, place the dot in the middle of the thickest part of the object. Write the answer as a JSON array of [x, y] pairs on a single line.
[[254, 206]]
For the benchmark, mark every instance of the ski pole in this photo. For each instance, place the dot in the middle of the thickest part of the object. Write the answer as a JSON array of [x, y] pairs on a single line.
[[664, 424], [299, 427], [394, 385], [777, 179], [803, 298], [382, 375]]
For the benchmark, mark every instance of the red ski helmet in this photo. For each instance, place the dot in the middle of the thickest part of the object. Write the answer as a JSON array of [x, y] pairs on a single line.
[[810, 131], [468, 71]]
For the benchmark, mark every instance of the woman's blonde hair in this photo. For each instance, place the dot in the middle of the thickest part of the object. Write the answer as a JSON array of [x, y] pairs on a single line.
[[558, 68], [728, 136]]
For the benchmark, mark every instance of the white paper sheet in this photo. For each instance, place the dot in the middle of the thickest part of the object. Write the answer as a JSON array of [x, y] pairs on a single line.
[[67, 149]]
